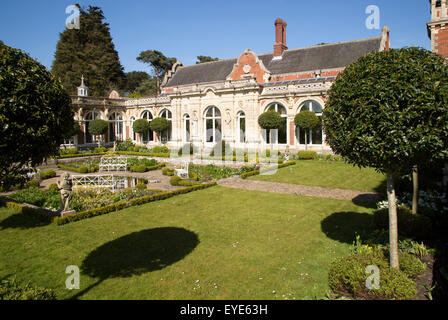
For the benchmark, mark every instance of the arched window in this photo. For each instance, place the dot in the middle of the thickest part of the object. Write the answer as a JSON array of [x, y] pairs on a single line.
[[89, 117], [282, 131], [149, 135], [115, 127], [241, 127], [166, 135], [212, 125], [315, 136], [132, 129], [187, 128]]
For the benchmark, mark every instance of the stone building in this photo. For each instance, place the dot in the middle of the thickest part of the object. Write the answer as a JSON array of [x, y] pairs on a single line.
[[438, 27], [222, 100]]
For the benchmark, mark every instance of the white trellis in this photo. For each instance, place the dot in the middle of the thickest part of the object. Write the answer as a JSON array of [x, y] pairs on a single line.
[[113, 164], [110, 182]]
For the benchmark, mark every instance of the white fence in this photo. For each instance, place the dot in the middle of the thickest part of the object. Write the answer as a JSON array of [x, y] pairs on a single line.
[[110, 182], [113, 164]]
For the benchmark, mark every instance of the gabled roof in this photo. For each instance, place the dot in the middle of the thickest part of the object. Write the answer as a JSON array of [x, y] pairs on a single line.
[[319, 57]]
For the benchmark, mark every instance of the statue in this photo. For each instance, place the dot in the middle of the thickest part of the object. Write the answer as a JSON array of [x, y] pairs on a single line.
[[65, 186], [287, 153]]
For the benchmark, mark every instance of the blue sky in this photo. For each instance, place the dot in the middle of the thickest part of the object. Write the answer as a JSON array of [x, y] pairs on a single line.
[[186, 29]]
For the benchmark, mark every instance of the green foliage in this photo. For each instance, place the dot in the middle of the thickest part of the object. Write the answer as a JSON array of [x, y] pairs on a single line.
[[159, 124], [389, 110], [348, 274], [168, 172], [159, 63], [98, 127], [177, 181], [68, 151], [409, 224], [88, 51], [34, 183], [306, 120], [140, 126], [134, 80], [100, 150], [307, 155], [139, 168], [15, 290], [251, 173], [270, 120], [35, 111], [158, 149], [203, 59], [72, 131], [141, 186], [47, 174], [126, 145]]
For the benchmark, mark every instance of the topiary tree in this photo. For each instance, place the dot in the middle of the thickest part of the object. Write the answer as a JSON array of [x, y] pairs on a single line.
[[306, 120], [98, 127], [141, 126], [35, 112], [270, 120], [159, 125], [389, 111]]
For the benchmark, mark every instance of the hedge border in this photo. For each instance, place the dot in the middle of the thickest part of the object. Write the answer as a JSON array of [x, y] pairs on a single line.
[[242, 159], [27, 210], [126, 204], [79, 155], [245, 175], [144, 154]]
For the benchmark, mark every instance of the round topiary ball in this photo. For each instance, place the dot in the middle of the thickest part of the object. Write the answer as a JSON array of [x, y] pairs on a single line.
[[306, 120], [159, 124], [270, 120], [141, 126], [98, 127]]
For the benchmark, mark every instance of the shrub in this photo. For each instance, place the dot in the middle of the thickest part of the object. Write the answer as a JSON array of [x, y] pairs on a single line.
[[68, 151], [32, 184], [141, 126], [141, 186], [168, 172], [47, 174], [14, 290], [53, 187], [138, 148], [126, 145], [98, 127], [83, 169], [139, 168], [159, 124], [409, 224], [270, 120], [100, 150], [32, 195], [307, 155], [158, 149], [177, 181], [348, 275]]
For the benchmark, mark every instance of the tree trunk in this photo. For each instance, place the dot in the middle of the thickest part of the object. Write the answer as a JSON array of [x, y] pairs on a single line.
[[306, 140], [415, 191], [393, 222], [157, 82]]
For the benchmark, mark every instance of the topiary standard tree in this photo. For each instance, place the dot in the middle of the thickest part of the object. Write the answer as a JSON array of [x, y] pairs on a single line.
[[389, 111], [306, 120], [35, 112], [159, 125], [141, 126], [98, 127], [270, 120]]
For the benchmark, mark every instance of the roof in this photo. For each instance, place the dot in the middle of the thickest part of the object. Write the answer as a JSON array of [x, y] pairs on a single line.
[[319, 57]]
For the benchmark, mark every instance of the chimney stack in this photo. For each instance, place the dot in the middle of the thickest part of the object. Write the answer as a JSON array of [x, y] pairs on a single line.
[[280, 38]]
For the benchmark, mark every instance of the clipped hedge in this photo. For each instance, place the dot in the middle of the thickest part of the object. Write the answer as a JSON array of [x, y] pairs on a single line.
[[178, 181], [146, 154], [47, 174], [348, 275], [246, 175], [21, 208], [123, 204], [308, 155], [142, 168], [82, 169], [168, 172], [409, 225], [79, 155]]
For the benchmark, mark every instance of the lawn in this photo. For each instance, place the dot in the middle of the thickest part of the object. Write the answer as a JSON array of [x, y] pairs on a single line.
[[218, 243], [328, 174]]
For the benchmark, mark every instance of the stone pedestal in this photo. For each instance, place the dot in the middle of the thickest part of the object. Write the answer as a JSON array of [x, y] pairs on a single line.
[[67, 213]]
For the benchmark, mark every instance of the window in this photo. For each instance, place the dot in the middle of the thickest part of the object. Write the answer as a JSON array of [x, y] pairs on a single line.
[[241, 127], [212, 125], [149, 135], [132, 129], [282, 131], [115, 127], [89, 117], [315, 136], [166, 135], [187, 128]]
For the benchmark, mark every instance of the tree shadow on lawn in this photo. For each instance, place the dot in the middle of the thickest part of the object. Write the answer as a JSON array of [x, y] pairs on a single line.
[[343, 226], [21, 221], [138, 253]]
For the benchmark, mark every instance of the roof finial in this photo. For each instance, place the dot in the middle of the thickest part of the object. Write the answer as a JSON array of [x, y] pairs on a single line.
[[82, 81]]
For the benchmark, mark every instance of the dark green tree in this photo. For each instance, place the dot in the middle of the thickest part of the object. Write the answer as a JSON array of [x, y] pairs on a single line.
[[141, 126], [202, 59], [35, 114], [159, 64], [306, 120], [148, 87], [270, 120], [389, 111], [98, 127], [159, 124], [134, 79], [88, 51]]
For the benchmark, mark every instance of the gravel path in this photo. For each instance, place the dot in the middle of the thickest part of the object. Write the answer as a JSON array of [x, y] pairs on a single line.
[[300, 190]]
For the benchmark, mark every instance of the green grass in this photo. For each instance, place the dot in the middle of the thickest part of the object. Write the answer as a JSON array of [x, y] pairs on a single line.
[[328, 174], [218, 243]]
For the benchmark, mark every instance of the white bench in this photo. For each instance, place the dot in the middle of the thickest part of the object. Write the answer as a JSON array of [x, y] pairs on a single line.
[[183, 172]]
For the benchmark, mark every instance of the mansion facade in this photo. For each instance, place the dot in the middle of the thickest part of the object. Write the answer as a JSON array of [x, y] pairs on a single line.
[[210, 102]]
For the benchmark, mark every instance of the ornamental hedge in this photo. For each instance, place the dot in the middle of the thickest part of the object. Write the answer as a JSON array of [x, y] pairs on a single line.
[[246, 175]]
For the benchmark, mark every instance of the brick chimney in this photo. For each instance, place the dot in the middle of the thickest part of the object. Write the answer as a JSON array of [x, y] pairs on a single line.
[[280, 38]]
